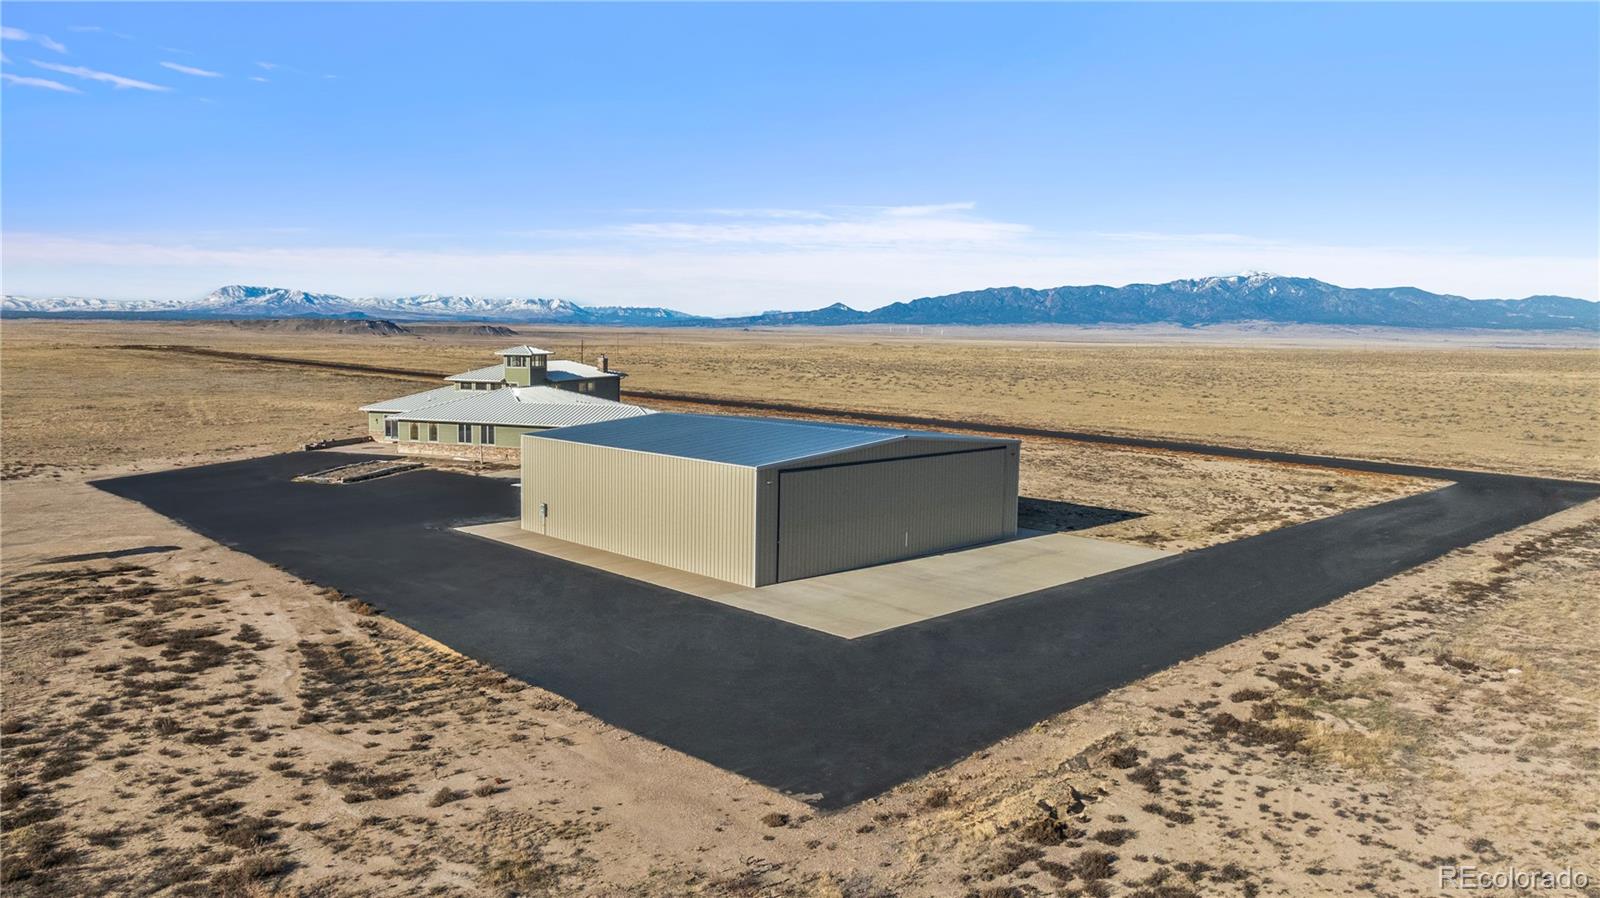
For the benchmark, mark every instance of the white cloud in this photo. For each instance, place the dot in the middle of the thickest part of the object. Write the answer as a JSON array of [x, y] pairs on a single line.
[[870, 232], [926, 211], [191, 70], [269, 66], [876, 226], [44, 83], [88, 74], [43, 40], [808, 214], [259, 78], [720, 278], [96, 29]]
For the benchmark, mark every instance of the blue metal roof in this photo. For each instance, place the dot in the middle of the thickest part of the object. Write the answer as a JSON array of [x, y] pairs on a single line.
[[736, 440]]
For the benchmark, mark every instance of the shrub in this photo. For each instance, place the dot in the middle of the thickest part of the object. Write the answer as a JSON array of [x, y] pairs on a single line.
[[1095, 864], [31, 850], [444, 796], [1123, 758]]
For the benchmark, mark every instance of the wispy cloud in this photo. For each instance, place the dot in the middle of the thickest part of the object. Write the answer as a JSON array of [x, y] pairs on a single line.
[[269, 66], [948, 224], [191, 70], [1159, 237], [43, 40], [88, 74], [806, 214], [96, 29], [43, 83], [928, 211], [261, 79]]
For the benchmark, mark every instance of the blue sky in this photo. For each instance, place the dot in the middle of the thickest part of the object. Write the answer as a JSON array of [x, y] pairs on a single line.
[[728, 158]]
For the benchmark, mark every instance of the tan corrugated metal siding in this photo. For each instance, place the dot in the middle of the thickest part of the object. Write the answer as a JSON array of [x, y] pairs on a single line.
[[847, 516], [692, 515]]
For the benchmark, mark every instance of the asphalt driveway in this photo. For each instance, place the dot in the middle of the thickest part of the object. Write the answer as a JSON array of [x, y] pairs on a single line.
[[831, 720]]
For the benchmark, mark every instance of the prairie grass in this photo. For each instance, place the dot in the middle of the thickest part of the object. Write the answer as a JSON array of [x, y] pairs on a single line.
[[1451, 402]]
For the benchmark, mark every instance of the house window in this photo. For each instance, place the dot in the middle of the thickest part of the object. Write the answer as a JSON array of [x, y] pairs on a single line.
[[433, 433], [538, 361], [487, 434], [463, 433], [586, 387], [391, 429], [516, 361], [413, 431]]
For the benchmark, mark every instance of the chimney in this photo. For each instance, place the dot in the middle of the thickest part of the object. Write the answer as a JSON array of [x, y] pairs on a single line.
[[605, 364]]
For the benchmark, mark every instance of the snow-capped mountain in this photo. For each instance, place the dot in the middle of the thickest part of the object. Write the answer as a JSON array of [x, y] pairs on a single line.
[[274, 302], [52, 305], [1250, 296], [433, 305], [241, 301]]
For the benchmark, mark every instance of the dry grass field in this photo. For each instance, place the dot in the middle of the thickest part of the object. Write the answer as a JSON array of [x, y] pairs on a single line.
[[1472, 405], [1524, 410], [187, 720]]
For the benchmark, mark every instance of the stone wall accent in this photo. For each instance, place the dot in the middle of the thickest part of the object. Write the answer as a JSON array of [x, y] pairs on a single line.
[[500, 455]]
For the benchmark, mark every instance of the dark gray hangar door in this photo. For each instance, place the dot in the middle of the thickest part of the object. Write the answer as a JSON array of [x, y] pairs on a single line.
[[834, 518]]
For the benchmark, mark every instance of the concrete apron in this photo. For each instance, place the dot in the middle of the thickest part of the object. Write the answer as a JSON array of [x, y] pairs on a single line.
[[852, 604]]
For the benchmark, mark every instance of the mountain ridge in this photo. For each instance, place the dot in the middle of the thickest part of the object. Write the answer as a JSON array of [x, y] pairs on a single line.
[[1252, 296]]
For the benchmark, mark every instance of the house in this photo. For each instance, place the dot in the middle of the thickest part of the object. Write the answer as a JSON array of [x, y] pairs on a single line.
[[483, 413], [530, 366], [756, 501]]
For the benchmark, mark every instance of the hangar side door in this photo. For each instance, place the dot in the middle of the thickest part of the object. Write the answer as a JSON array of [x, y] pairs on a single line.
[[848, 516]]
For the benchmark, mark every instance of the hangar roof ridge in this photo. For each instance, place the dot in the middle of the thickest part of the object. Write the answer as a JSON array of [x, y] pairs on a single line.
[[744, 441]]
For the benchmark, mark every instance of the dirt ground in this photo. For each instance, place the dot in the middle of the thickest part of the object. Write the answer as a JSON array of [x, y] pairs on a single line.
[[187, 720], [183, 719]]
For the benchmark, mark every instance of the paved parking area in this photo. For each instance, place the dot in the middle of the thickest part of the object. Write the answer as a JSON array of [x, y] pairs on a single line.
[[831, 720]]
